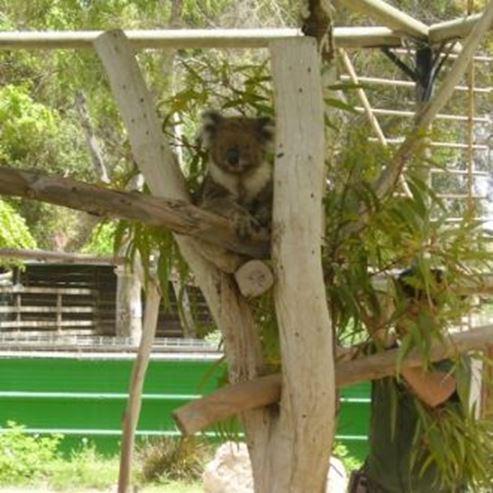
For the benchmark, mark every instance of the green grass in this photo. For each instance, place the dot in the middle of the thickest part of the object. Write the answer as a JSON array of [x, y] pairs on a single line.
[[32, 461], [174, 487]]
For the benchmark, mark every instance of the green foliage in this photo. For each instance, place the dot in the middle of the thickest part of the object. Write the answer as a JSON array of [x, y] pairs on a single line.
[[102, 240], [167, 459], [341, 452], [212, 82], [401, 232], [458, 443], [13, 230], [23, 457]]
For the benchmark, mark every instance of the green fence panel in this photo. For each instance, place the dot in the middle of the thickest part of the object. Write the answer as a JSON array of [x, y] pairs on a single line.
[[84, 398]]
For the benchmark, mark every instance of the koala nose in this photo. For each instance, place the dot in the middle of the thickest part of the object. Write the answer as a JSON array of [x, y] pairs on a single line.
[[233, 156]]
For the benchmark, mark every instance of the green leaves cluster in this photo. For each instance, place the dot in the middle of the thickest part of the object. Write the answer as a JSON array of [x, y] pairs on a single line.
[[23, 457], [407, 232], [457, 442], [14, 232]]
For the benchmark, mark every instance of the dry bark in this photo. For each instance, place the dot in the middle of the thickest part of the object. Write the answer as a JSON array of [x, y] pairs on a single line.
[[176, 214], [229, 309], [265, 391]]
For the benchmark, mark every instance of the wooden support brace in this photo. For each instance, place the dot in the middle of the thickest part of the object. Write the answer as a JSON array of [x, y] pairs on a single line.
[[390, 16], [454, 29], [235, 399], [230, 311]]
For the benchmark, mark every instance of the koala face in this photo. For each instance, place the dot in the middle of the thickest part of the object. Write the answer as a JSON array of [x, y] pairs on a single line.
[[236, 144]]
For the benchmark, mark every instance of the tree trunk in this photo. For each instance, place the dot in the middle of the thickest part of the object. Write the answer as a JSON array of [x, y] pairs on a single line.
[[301, 441], [229, 309]]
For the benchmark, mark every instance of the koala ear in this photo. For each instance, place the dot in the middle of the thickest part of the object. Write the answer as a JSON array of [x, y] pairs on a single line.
[[266, 128], [210, 121]]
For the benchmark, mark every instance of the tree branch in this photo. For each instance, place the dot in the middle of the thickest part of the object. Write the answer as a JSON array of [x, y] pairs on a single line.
[[264, 391], [177, 215]]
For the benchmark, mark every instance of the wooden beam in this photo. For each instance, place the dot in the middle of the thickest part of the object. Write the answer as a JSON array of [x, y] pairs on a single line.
[[389, 16], [367, 37], [345, 37], [412, 114], [454, 29], [58, 257], [408, 83], [177, 215], [264, 391]]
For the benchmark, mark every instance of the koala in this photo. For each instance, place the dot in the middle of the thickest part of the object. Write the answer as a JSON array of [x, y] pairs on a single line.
[[238, 183]]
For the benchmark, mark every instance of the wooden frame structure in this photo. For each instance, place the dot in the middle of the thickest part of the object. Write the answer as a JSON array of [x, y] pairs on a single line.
[[288, 449]]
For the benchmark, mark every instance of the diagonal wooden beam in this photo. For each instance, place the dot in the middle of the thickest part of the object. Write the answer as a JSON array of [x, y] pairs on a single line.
[[453, 29], [264, 391], [375, 125], [390, 16]]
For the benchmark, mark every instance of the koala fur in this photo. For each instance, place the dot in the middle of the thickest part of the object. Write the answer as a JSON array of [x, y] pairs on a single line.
[[238, 183]]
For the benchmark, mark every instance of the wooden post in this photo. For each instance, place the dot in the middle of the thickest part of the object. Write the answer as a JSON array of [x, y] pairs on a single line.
[[132, 412], [302, 448], [128, 304]]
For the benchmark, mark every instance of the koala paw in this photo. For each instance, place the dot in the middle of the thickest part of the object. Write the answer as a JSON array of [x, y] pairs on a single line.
[[246, 225]]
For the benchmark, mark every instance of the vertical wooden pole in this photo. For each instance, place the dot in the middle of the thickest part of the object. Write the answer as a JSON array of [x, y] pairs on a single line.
[[132, 412], [307, 410], [128, 303], [59, 305]]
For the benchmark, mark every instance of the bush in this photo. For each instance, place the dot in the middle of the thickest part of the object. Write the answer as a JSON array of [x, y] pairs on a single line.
[[168, 458], [23, 457], [85, 468]]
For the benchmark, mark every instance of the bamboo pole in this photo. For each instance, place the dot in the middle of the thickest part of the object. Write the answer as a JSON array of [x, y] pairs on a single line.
[[389, 16], [345, 37], [413, 114], [471, 111], [445, 145], [235, 399]]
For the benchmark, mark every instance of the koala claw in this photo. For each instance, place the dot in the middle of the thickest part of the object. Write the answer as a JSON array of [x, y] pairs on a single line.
[[246, 225]]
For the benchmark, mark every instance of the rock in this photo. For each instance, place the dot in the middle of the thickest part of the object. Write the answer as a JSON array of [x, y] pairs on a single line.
[[230, 471], [337, 478]]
